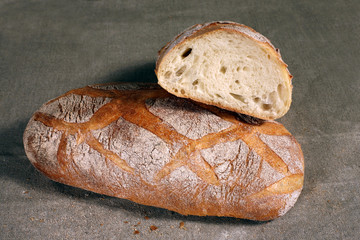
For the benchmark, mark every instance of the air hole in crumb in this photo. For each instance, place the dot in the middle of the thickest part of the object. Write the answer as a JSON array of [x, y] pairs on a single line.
[[256, 99], [238, 69], [281, 92], [246, 68], [167, 74], [266, 107], [273, 96], [268, 56], [223, 69], [195, 82], [175, 90], [238, 97], [218, 95], [180, 71], [196, 58], [182, 91], [186, 53], [237, 81]]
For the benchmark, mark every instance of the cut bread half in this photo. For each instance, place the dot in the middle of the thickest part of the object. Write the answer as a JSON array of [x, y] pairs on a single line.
[[228, 65]]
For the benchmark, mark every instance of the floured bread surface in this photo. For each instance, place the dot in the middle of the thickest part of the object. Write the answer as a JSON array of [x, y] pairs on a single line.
[[228, 65], [148, 146]]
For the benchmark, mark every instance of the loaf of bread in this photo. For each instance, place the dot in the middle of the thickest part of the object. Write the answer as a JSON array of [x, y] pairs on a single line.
[[228, 65], [138, 142]]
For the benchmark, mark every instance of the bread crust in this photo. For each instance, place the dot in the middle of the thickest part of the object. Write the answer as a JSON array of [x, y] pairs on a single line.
[[201, 29], [138, 142]]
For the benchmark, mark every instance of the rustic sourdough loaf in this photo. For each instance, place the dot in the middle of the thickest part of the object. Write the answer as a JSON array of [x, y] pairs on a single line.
[[228, 65], [138, 142]]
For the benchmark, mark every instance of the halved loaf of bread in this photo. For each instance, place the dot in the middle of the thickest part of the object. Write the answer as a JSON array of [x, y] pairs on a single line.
[[228, 65]]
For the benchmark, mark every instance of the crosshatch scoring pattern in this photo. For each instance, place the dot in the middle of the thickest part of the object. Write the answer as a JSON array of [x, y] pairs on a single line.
[[160, 143]]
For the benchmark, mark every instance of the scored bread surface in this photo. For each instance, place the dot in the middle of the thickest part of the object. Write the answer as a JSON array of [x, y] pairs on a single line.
[[140, 143], [228, 65]]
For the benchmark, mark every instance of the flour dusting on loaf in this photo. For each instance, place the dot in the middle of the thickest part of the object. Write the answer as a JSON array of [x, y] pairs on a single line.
[[285, 147], [184, 116], [142, 150], [80, 108], [140, 143]]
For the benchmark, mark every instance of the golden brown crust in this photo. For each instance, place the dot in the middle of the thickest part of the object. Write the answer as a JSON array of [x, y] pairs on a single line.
[[152, 148]]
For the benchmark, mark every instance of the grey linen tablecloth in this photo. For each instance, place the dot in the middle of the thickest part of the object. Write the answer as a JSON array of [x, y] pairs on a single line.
[[50, 47]]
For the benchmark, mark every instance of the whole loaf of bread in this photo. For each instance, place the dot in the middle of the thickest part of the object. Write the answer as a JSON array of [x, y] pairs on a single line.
[[138, 142]]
